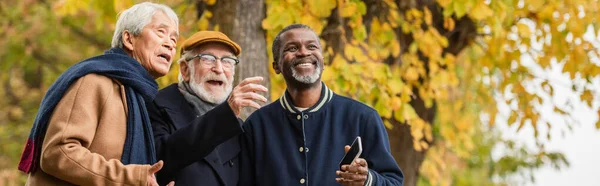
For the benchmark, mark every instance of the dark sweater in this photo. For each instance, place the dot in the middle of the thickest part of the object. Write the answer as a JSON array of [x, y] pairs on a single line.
[[283, 146]]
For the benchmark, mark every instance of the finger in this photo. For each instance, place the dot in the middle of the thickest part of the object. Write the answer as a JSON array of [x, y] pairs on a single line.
[[254, 79], [248, 103], [252, 87], [156, 167], [347, 148], [254, 96], [352, 176], [361, 162], [172, 183], [342, 181], [355, 169]]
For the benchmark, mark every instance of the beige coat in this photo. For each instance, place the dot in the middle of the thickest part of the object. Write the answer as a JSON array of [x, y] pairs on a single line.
[[85, 137]]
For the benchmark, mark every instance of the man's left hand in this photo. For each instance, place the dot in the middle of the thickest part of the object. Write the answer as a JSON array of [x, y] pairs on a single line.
[[354, 174]]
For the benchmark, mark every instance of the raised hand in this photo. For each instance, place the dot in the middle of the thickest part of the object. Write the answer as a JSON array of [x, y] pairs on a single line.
[[244, 95]]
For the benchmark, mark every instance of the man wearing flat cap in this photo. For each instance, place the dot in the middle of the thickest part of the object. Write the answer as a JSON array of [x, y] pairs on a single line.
[[196, 121]]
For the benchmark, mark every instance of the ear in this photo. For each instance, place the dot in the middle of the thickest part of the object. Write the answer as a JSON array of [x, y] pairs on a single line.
[[183, 69], [128, 40], [276, 67]]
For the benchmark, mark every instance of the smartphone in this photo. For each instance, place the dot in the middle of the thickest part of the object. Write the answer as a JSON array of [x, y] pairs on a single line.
[[353, 153]]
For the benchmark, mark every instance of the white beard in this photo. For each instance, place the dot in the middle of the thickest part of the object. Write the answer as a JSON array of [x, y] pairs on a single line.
[[197, 86], [309, 79]]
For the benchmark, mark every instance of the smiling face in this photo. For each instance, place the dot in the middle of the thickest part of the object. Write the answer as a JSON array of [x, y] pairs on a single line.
[[301, 61], [154, 47], [211, 82]]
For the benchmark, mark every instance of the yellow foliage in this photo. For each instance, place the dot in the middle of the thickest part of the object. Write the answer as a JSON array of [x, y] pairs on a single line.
[[71, 7], [481, 11], [321, 8], [587, 97], [210, 2], [524, 30]]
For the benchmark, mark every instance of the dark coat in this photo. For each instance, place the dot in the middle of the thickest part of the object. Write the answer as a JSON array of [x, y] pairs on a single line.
[[196, 149], [284, 146]]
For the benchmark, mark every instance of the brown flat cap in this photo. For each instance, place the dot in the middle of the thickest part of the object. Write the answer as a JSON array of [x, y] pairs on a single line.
[[210, 36]]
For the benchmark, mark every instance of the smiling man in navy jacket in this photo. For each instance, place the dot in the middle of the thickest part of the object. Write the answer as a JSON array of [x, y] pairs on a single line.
[[300, 138]]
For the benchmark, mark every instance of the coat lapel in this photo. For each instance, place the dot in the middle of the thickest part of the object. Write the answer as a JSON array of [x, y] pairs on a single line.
[[178, 109], [171, 100]]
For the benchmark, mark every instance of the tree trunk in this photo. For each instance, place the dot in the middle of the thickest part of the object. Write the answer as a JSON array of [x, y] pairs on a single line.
[[241, 21]]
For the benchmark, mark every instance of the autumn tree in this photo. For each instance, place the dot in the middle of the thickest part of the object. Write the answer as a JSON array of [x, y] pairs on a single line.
[[436, 71]]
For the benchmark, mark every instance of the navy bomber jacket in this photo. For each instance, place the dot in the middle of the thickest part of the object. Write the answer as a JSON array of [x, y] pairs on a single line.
[[284, 146]]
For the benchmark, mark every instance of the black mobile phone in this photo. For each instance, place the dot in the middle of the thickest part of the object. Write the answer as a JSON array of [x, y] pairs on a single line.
[[353, 153]]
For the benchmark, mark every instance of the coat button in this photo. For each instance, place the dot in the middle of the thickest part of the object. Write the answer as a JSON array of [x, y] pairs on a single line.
[[306, 149], [305, 116], [301, 149], [298, 117], [302, 181]]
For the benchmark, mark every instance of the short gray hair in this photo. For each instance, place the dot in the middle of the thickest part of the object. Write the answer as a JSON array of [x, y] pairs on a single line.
[[136, 18], [184, 56]]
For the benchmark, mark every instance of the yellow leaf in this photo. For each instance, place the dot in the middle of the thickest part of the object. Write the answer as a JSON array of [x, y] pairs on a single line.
[[524, 31], [409, 112], [411, 74], [588, 97], [449, 23], [535, 5], [512, 118], [210, 2], [395, 47], [425, 145], [481, 11], [598, 122], [444, 3], [387, 124], [417, 146], [348, 10], [428, 133], [321, 8], [395, 86], [428, 17]]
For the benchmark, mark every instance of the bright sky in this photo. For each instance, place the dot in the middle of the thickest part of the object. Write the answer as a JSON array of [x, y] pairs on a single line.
[[581, 146]]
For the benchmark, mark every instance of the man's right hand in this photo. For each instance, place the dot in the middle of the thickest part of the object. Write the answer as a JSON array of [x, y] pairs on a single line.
[[151, 178], [244, 95]]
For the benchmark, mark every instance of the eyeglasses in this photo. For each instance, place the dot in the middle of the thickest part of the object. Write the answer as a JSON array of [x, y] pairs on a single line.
[[211, 60]]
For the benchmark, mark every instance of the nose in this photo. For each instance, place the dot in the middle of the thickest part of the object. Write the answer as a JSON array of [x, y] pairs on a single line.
[[169, 44], [218, 67], [303, 51]]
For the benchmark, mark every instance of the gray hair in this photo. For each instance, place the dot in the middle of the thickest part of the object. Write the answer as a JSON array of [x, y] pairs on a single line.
[[136, 18], [186, 55]]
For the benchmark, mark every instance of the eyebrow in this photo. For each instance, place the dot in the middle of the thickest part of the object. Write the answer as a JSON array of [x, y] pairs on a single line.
[[226, 55], [297, 42], [162, 25]]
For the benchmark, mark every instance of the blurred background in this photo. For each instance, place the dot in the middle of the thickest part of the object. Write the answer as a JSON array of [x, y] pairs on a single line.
[[472, 92]]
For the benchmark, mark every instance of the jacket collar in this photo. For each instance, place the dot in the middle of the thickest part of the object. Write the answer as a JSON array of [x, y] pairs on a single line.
[[179, 110], [288, 104]]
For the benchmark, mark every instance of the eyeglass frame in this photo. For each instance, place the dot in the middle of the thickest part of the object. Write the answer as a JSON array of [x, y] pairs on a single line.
[[216, 58]]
